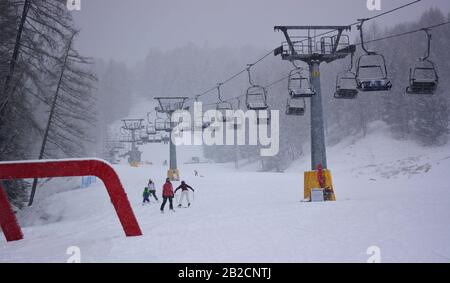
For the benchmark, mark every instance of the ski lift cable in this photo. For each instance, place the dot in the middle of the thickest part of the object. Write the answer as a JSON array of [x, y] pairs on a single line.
[[371, 18], [325, 33], [234, 76], [405, 33], [370, 41], [243, 95]]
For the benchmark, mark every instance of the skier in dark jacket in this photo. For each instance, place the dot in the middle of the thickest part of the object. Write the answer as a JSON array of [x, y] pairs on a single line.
[[184, 193], [167, 194], [146, 195]]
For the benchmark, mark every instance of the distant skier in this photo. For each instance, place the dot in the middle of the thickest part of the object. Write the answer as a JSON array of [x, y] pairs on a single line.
[[152, 189], [184, 193], [167, 194], [195, 173], [146, 195]]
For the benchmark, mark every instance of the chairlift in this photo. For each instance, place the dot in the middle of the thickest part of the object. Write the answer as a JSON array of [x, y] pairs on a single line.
[[295, 106], [299, 86], [346, 84], [371, 76], [223, 106], [150, 129], [163, 125], [256, 96], [157, 138], [423, 78]]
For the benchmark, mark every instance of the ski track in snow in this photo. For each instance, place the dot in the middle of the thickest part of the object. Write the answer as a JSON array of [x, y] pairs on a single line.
[[390, 194]]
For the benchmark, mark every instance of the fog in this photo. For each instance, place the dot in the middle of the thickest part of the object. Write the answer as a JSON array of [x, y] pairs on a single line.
[[126, 30]]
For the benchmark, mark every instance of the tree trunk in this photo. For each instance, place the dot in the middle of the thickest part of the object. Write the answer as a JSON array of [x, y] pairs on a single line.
[[52, 111], [6, 87]]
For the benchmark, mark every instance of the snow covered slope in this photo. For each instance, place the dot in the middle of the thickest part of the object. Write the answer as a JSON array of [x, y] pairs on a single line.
[[390, 194]]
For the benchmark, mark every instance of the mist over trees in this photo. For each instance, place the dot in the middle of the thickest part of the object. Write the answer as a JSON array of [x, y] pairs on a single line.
[[416, 117], [425, 119], [37, 63]]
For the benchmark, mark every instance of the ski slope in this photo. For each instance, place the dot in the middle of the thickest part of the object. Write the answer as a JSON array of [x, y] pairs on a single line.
[[390, 194]]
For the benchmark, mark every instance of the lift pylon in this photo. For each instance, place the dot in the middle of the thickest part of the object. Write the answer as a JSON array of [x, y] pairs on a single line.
[[169, 105], [306, 46]]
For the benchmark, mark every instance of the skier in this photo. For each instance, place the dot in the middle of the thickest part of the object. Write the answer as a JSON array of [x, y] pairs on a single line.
[[146, 195], [195, 173], [184, 193], [167, 194], [152, 189]]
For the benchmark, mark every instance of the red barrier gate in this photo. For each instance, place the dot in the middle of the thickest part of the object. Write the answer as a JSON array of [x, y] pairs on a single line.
[[65, 168]]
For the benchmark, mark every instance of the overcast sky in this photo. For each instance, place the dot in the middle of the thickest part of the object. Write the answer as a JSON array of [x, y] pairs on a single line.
[[126, 29]]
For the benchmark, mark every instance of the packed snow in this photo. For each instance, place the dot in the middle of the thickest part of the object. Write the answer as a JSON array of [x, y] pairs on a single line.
[[390, 194]]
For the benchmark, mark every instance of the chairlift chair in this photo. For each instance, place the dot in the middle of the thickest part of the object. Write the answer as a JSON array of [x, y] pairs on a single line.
[[295, 106], [423, 79], [223, 107], [299, 86], [162, 125], [422, 84], [256, 95], [150, 129], [346, 86], [159, 124], [157, 138], [168, 125], [256, 98], [371, 76]]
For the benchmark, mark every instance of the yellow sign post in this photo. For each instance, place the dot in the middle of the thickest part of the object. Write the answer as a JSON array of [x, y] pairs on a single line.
[[312, 182], [173, 175]]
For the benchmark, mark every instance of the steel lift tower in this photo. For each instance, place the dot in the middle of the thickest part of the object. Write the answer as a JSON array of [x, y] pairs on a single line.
[[304, 44], [169, 105]]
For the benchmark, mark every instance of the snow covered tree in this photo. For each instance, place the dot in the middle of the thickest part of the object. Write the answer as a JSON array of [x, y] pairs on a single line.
[[34, 36], [431, 121]]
